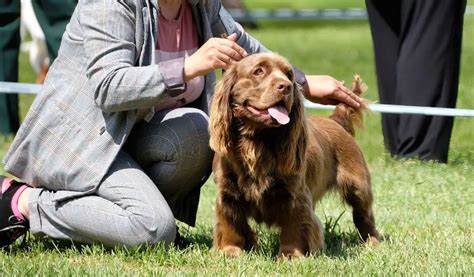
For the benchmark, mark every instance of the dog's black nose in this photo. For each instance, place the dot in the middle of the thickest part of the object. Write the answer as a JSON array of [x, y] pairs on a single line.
[[283, 87]]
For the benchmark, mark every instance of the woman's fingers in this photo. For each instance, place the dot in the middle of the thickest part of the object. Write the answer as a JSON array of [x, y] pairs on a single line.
[[230, 42], [216, 53], [224, 55], [346, 95], [221, 61], [232, 49], [232, 37], [350, 101], [230, 52], [351, 93]]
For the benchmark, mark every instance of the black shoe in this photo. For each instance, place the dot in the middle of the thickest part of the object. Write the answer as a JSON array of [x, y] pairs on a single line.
[[11, 226], [181, 242]]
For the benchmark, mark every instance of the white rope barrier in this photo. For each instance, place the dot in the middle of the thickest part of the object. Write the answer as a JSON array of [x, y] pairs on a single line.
[[9, 87], [401, 109]]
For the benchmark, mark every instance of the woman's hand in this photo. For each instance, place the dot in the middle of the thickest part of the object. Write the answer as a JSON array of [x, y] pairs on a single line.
[[326, 90], [216, 53]]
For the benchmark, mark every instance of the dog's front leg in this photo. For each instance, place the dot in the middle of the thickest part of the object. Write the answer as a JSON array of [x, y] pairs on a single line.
[[301, 232], [232, 234]]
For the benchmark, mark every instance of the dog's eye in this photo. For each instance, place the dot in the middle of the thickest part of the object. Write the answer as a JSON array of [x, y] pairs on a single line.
[[289, 74], [258, 72]]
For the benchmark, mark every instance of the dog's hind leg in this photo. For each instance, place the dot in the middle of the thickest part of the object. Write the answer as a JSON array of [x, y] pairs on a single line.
[[357, 192]]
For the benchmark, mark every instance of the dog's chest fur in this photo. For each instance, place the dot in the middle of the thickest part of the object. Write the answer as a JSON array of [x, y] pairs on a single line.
[[258, 180]]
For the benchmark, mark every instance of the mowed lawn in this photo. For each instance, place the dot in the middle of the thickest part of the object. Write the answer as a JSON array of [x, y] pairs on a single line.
[[425, 210]]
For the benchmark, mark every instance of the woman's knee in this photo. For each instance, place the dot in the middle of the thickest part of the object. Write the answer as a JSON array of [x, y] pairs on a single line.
[[179, 154], [172, 136], [194, 154], [155, 228], [165, 231], [188, 126]]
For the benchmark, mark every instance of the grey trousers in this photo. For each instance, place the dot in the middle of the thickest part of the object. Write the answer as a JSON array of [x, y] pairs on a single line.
[[163, 162]]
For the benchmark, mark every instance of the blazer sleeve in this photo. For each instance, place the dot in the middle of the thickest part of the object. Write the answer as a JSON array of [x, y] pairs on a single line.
[[223, 25], [109, 28]]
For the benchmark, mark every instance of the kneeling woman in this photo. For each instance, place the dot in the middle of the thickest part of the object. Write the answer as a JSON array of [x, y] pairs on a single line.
[[115, 147]]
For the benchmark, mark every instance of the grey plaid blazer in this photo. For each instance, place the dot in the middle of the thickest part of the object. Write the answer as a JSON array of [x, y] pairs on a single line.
[[104, 73]]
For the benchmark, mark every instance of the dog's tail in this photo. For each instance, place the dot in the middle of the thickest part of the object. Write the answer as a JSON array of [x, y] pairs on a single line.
[[350, 117]]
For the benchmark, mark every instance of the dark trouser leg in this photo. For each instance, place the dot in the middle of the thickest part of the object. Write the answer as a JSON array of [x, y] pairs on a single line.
[[53, 16], [425, 72], [384, 20], [428, 74], [173, 149], [9, 45]]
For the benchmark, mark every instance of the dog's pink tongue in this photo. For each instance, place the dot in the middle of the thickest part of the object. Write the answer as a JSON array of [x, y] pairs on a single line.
[[280, 114]]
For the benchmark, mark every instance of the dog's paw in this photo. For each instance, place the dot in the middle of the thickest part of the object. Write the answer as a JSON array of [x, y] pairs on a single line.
[[289, 253], [232, 251], [373, 241]]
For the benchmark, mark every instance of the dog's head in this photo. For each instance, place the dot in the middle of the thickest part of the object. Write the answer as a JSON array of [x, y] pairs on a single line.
[[260, 88], [259, 92]]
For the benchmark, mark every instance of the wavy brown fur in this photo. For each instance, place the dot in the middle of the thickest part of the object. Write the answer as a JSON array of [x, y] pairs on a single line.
[[347, 116], [276, 173]]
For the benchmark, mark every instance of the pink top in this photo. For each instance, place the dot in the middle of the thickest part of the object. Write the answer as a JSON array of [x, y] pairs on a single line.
[[177, 39]]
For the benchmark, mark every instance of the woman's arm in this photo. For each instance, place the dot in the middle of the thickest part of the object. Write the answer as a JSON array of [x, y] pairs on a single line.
[[109, 28]]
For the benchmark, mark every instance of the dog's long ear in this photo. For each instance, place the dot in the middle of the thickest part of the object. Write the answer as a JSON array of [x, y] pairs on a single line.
[[293, 150], [221, 113]]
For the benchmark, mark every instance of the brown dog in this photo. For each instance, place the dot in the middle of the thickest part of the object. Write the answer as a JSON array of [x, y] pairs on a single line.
[[272, 163]]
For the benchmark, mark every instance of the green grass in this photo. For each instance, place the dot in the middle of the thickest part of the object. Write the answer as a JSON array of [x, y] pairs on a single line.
[[424, 209]]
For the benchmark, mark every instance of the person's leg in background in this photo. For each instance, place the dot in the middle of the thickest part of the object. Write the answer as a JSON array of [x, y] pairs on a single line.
[[428, 74], [9, 47], [384, 18], [38, 52], [53, 16]]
